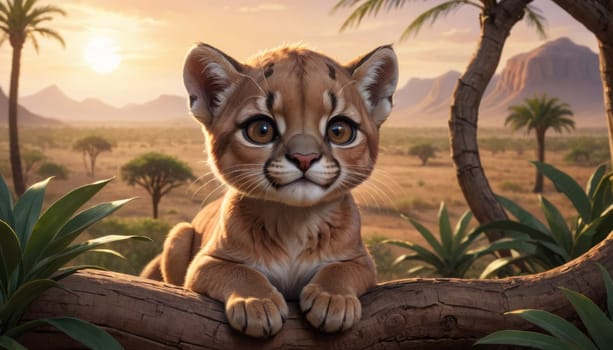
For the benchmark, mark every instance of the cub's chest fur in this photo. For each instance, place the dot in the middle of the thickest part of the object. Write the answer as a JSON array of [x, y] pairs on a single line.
[[287, 244]]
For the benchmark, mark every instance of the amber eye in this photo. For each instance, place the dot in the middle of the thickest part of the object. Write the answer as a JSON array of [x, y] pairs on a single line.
[[341, 131], [260, 131]]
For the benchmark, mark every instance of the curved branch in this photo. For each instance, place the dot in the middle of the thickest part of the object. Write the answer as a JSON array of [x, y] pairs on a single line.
[[408, 314]]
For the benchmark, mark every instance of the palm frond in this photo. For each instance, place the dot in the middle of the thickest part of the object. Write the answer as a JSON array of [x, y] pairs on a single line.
[[50, 33], [535, 18], [433, 14]]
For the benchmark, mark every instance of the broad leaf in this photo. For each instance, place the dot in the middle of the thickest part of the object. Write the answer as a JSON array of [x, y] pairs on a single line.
[[559, 229], [10, 255], [556, 326], [595, 321], [24, 296], [609, 287], [10, 344], [6, 204], [603, 196], [461, 228], [445, 230], [569, 187], [429, 237], [27, 210], [423, 253], [500, 263], [521, 214], [81, 222], [594, 180], [55, 217], [525, 338], [85, 333]]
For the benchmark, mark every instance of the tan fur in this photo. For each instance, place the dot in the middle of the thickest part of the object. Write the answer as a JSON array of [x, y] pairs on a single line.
[[281, 232]]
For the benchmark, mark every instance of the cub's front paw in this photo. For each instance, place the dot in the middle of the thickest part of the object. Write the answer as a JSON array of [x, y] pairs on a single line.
[[327, 311], [257, 317]]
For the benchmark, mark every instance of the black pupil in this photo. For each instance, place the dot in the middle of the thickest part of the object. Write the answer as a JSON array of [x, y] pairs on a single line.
[[263, 129], [337, 129]]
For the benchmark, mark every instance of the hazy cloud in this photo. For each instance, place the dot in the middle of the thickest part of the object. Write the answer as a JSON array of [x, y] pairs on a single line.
[[265, 7]]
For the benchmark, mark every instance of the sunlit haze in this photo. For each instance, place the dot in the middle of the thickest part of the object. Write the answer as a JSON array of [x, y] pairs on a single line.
[[132, 51]]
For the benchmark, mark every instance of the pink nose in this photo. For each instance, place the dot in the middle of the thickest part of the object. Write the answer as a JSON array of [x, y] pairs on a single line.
[[303, 161]]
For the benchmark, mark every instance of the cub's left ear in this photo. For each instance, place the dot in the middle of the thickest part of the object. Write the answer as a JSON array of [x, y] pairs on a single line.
[[377, 75]]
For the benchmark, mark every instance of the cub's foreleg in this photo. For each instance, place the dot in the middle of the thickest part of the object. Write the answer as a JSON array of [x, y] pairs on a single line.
[[330, 300], [253, 305], [177, 253]]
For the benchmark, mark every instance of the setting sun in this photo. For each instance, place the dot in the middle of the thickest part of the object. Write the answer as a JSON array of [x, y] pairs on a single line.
[[101, 54]]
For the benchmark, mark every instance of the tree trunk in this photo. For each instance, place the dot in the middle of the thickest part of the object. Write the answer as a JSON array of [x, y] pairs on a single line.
[[540, 154], [409, 314], [15, 154], [155, 201], [92, 161], [597, 16], [496, 26]]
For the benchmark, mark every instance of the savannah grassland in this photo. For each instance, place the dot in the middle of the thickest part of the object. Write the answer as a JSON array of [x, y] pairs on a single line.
[[399, 185]]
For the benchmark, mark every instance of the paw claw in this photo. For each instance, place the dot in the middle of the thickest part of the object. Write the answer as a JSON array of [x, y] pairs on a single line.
[[329, 312], [260, 318]]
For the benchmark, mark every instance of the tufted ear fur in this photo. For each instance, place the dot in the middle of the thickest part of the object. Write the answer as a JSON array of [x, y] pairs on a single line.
[[210, 77], [376, 74]]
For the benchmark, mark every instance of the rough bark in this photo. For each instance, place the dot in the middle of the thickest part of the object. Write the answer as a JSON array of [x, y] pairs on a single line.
[[408, 314], [15, 154], [496, 25], [597, 17]]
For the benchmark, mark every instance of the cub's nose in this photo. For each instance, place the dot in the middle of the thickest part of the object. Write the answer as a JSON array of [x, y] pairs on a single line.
[[303, 161]]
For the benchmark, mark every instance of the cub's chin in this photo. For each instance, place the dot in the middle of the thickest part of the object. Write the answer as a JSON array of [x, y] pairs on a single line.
[[300, 193]]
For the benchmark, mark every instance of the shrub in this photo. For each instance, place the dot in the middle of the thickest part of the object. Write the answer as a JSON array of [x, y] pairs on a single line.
[[50, 169], [34, 248], [384, 261]]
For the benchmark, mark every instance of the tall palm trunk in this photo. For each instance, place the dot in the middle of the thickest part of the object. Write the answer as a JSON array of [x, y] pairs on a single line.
[[15, 154], [496, 26], [540, 150], [606, 74]]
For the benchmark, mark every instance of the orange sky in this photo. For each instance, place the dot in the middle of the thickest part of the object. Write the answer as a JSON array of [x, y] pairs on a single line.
[[152, 36]]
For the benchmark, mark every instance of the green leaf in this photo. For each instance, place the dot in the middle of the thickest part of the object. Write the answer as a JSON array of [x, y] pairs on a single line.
[[67, 271], [500, 263], [595, 321], [55, 217], [521, 214], [10, 343], [81, 222], [46, 267], [27, 210], [461, 228], [429, 237], [594, 180], [559, 229], [525, 338], [603, 196], [85, 333], [569, 187], [609, 286], [556, 326], [519, 245], [22, 298], [425, 255], [6, 204], [445, 229], [593, 233], [10, 255]]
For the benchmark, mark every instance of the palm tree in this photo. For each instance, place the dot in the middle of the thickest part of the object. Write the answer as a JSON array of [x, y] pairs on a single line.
[[540, 113], [496, 18], [22, 20]]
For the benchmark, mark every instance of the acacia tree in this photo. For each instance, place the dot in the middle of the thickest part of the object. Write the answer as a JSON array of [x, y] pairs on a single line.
[[496, 18], [20, 21], [423, 151], [540, 113], [92, 146], [157, 173]]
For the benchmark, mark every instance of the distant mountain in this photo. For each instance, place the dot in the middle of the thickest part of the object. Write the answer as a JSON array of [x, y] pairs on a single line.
[[25, 117], [560, 68], [52, 101]]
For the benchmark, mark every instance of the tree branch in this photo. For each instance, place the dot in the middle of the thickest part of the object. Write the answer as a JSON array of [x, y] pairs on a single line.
[[408, 314]]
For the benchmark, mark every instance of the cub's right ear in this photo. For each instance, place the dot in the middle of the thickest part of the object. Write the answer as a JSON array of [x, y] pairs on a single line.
[[209, 76]]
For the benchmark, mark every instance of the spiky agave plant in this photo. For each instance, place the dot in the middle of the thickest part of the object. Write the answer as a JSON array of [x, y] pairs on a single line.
[[34, 251]]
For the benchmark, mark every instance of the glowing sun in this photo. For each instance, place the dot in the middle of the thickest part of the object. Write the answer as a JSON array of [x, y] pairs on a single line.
[[102, 55]]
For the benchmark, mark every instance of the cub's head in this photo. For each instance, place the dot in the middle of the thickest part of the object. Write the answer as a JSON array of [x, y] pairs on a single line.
[[291, 125]]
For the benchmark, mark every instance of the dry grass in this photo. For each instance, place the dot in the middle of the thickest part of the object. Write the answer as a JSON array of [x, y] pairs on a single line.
[[399, 185]]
